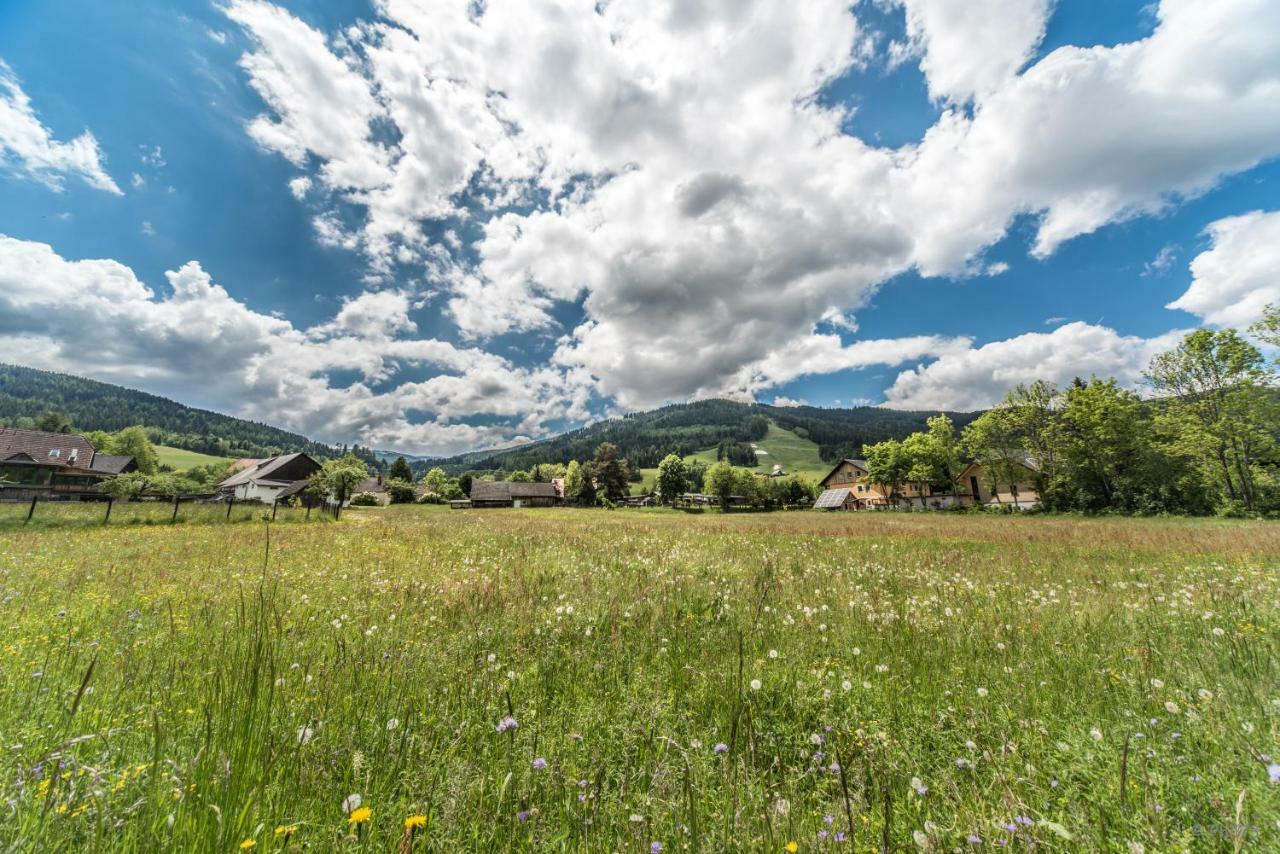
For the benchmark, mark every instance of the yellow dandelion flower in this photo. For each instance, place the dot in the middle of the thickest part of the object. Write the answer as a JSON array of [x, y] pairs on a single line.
[[247, 844], [360, 816], [792, 847], [286, 829], [415, 821]]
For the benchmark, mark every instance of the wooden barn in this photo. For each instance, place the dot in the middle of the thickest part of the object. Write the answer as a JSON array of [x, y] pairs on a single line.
[[506, 493]]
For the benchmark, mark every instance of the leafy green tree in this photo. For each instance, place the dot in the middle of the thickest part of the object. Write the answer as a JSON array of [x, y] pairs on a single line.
[[888, 465], [579, 488], [400, 470], [340, 477], [1218, 406], [672, 478], [134, 442], [610, 472], [436, 481], [400, 491], [520, 477], [993, 440], [720, 482], [125, 486], [53, 421]]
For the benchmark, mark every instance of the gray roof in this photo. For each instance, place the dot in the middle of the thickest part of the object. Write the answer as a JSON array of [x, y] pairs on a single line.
[[505, 490], [110, 463], [831, 499], [261, 471]]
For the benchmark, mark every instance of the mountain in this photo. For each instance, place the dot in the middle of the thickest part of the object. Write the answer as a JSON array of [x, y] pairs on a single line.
[[644, 438], [26, 393]]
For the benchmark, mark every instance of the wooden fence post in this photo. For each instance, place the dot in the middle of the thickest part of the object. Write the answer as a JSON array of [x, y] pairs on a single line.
[[274, 505], [107, 518], [32, 510], [174, 518], [231, 500]]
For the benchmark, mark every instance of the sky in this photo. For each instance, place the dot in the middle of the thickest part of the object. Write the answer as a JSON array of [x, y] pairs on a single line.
[[438, 225]]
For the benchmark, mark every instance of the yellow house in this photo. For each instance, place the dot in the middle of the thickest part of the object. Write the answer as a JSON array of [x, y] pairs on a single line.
[[1020, 491], [851, 475]]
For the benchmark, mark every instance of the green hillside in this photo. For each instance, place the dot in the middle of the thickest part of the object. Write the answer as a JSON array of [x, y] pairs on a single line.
[[795, 454], [180, 459]]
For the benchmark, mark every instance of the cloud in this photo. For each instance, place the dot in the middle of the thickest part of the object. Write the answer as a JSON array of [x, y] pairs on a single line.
[[667, 167], [1162, 263], [789, 402], [978, 377], [198, 340], [970, 48], [1239, 275], [148, 229], [28, 149]]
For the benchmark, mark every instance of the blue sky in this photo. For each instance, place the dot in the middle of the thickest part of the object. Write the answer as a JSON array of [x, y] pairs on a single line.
[[423, 227]]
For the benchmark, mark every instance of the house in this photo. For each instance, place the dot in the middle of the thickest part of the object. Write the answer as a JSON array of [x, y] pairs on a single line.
[[271, 479], [851, 474], [505, 493], [54, 465], [1016, 486]]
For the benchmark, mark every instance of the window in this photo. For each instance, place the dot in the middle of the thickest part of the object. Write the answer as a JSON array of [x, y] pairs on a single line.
[[56, 453]]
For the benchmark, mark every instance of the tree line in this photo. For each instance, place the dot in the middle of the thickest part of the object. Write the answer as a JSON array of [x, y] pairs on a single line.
[[1206, 439]]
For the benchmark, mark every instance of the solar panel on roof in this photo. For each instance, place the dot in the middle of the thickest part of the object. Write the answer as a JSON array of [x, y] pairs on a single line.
[[831, 499]]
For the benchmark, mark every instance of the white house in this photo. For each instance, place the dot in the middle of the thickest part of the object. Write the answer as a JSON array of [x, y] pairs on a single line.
[[268, 480]]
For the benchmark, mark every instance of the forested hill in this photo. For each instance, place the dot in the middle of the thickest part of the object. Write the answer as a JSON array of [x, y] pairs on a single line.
[[26, 393], [644, 438]]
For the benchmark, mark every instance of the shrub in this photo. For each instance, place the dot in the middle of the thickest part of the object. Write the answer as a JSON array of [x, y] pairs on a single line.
[[365, 499]]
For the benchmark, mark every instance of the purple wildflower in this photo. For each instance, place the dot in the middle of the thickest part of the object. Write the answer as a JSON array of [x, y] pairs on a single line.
[[1024, 820], [974, 839], [539, 764], [720, 747], [828, 820], [508, 723], [840, 837], [1273, 771], [822, 835], [1010, 826], [834, 767], [655, 847], [523, 815]]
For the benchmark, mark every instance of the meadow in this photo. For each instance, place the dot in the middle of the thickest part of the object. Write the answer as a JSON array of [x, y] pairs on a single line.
[[412, 678]]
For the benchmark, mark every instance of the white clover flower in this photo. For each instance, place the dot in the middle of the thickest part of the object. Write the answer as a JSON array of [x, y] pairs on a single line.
[[755, 685], [773, 653]]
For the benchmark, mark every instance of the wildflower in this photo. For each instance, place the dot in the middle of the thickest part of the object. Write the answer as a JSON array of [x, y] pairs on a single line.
[[1024, 820], [1218, 631], [720, 747], [1273, 771], [755, 685], [982, 692], [286, 830], [773, 653], [919, 787], [393, 724], [846, 685], [1095, 734], [360, 815], [655, 848], [413, 822], [792, 847], [523, 815], [247, 844], [508, 723], [1171, 707], [304, 734], [973, 839], [920, 838], [539, 764], [351, 803], [1157, 683], [1205, 695]]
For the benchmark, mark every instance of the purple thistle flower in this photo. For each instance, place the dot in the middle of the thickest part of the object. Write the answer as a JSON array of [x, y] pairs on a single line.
[[720, 747], [508, 723], [539, 764]]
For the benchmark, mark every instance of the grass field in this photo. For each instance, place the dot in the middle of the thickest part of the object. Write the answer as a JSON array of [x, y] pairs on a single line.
[[181, 459], [795, 454], [641, 681]]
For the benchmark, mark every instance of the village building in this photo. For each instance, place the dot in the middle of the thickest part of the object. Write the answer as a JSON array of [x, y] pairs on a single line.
[[505, 493], [271, 479], [1014, 480], [38, 464], [851, 490]]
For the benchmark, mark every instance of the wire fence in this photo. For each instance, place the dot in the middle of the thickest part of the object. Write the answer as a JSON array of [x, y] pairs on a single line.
[[44, 512]]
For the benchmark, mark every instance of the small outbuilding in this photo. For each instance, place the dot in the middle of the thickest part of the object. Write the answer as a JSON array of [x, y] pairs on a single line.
[[836, 499], [270, 479], [506, 493]]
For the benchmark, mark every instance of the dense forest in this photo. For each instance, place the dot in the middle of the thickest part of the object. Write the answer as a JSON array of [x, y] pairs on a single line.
[[644, 438], [26, 394]]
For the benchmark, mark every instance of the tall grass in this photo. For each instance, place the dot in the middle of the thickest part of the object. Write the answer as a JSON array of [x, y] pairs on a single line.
[[705, 683]]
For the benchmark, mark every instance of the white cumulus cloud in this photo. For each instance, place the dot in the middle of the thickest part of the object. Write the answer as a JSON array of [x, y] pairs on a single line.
[[1239, 275]]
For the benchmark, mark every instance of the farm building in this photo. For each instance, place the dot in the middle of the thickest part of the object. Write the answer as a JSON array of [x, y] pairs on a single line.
[[505, 493], [836, 499], [852, 474], [1014, 481], [54, 465], [270, 479]]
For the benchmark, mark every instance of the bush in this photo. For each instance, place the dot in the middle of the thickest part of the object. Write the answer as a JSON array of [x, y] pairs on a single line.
[[365, 499], [401, 492], [431, 498]]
